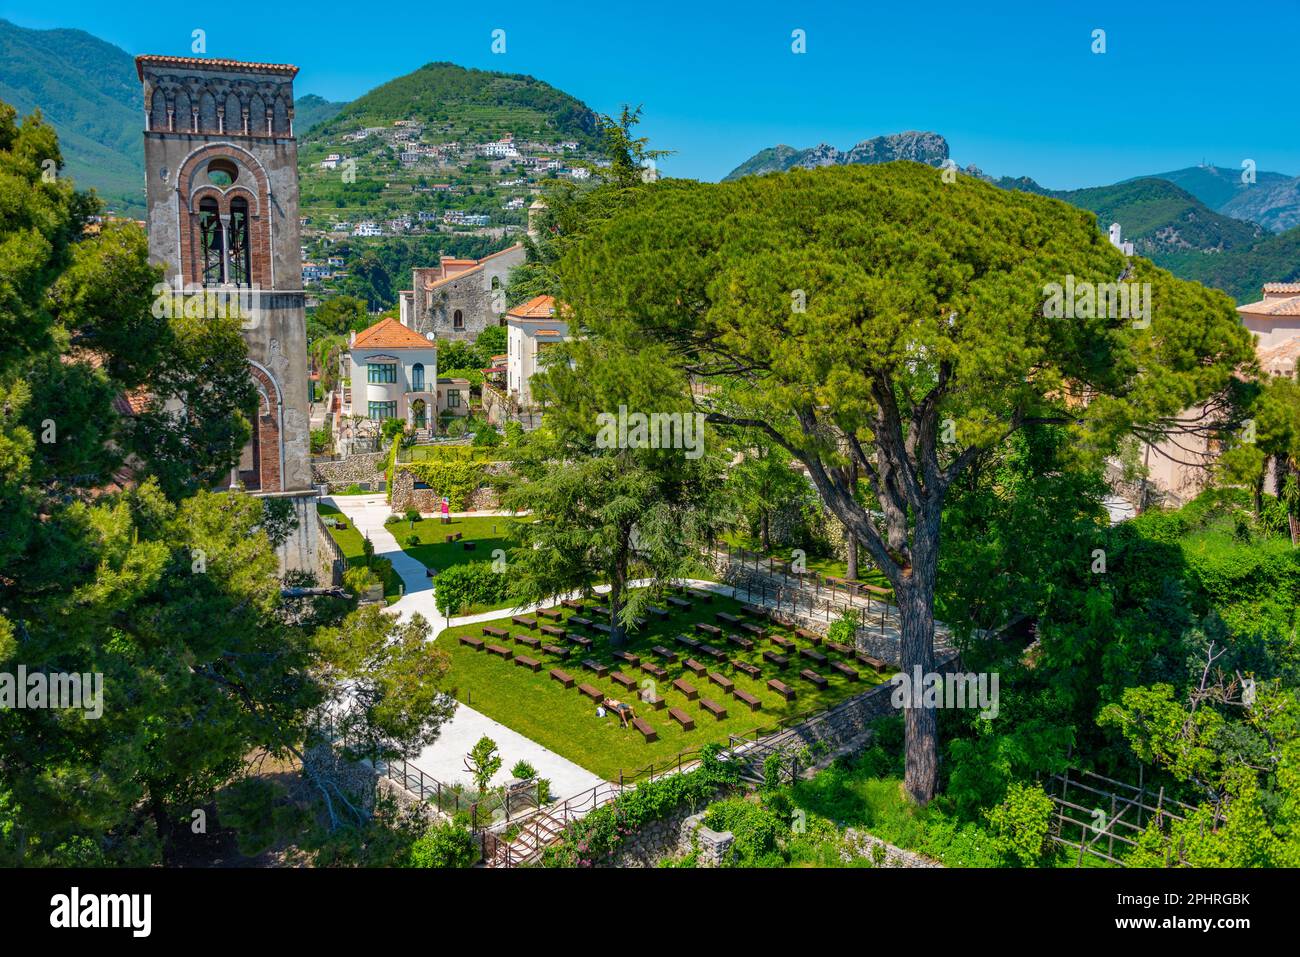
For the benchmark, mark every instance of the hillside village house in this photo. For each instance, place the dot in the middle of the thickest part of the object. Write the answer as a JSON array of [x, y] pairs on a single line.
[[393, 373], [532, 327], [458, 298], [1180, 467]]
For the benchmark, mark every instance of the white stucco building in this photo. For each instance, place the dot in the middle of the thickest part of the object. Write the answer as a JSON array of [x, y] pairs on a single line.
[[393, 374], [532, 327]]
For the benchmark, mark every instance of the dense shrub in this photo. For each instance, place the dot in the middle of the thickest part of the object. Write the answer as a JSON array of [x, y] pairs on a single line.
[[445, 844], [454, 471], [597, 837], [474, 583]]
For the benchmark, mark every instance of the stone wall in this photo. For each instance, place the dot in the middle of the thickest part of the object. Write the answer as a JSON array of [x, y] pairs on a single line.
[[405, 495], [671, 837], [365, 467], [881, 853]]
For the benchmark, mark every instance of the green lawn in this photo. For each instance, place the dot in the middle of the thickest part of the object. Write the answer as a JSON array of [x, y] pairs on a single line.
[[487, 532], [564, 721], [349, 540]]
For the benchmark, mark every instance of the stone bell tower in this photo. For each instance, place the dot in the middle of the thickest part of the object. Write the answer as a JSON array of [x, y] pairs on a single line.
[[221, 170]]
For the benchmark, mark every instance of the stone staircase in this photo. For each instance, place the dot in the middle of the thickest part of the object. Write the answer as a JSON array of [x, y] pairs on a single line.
[[538, 833]]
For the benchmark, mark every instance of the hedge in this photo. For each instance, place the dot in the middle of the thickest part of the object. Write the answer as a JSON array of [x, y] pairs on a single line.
[[454, 471]]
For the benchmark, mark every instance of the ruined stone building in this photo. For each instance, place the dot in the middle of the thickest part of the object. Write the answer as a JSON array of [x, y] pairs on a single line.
[[221, 168], [459, 298]]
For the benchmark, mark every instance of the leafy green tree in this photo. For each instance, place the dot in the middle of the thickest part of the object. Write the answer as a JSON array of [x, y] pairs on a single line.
[[764, 482], [605, 511], [483, 762], [340, 315], [878, 316]]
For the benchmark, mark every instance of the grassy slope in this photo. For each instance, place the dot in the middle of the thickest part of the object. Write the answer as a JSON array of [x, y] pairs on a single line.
[[433, 551], [564, 721], [350, 541]]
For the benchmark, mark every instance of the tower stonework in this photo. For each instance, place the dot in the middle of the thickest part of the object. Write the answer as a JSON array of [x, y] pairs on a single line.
[[221, 170]]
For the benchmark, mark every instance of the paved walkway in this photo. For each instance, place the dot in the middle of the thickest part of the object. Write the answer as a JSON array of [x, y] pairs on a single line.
[[444, 760]]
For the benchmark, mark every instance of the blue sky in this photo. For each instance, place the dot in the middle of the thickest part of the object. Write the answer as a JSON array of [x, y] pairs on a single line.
[[1013, 86]]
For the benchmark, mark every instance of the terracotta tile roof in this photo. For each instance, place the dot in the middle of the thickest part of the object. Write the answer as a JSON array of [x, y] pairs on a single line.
[[1282, 287], [1272, 307], [390, 334], [202, 63], [539, 307], [1281, 358], [459, 275]]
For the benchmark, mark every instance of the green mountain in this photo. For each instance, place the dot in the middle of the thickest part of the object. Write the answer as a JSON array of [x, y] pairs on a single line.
[[88, 91], [472, 105], [1216, 186], [311, 110], [1162, 219], [1242, 272]]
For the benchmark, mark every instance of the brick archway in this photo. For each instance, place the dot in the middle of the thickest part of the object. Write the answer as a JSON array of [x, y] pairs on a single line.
[[268, 449], [259, 195]]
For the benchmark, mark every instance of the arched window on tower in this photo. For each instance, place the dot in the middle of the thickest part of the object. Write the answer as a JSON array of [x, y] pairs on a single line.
[[458, 320], [210, 242], [238, 271], [417, 377]]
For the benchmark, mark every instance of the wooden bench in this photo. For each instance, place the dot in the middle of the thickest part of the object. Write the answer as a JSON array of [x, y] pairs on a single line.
[[555, 631], [647, 732], [687, 642], [746, 698], [591, 664], [681, 603], [785, 644], [660, 613], [579, 621], [498, 650], [528, 640], [686, 688], [563, 677], [667, 654], [682, 718], [654, 670], [600, 610], [846, 671], [492, 632], [603, 629], [758, 631], [572, 603], [625, 681], [556, 650], [740, 642], [814, 637], [694, 666], [524, 621], [468, 546], [781, 661], [757, 611], [870, 662], [713, 708], [812, 655], [554, 614], [722, 681], [532, 664], [704, 628], [475, 643], [744, 667], [652, 701], [627, 656], [699, 595], [813, 678], [717, 654], [578, 640], [838, 648], [727, 618], [595, 694], [781, 688]]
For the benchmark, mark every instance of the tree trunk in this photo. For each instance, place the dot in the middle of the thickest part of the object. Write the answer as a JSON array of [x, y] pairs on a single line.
[[850, 540], [915, 595], [766, 533], [617, 588]]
